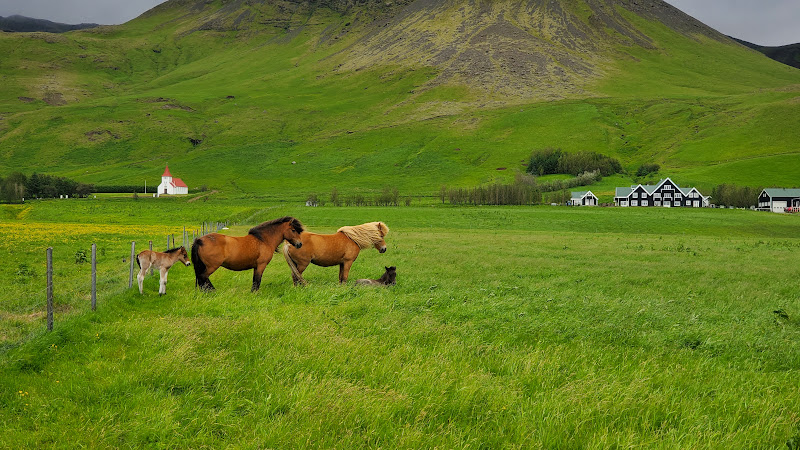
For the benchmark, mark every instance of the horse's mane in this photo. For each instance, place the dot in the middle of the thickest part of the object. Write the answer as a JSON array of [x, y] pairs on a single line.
[[173, 250], [366, 234], [259, 230]]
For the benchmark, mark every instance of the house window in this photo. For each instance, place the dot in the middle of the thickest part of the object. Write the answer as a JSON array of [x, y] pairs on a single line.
[[667, 195], [667, 187], [634, 203], [678, 196], [676, 203], [645, 203], [657, 195], [635, 195], [656, 203], [623, 203]]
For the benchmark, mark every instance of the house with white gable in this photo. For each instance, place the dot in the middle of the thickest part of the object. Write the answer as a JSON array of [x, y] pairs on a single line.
[[779, 200], [665, 194], [171, 185], [583, 198]]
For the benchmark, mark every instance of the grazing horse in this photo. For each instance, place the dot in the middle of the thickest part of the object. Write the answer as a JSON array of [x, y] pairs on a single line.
[[340, 248], [389, 278], [253, 251], [149, 259]]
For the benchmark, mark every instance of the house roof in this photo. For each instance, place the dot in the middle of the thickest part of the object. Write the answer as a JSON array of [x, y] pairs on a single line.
[[780, 192], [166, 172], [177, 182], [650, 189], [581, 194]]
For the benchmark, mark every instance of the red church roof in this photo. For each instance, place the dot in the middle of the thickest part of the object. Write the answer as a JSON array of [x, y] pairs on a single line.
[[177, 182], [166, 172]]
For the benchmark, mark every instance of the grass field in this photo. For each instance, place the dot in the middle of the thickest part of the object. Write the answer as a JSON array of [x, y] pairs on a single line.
[[522, 327]]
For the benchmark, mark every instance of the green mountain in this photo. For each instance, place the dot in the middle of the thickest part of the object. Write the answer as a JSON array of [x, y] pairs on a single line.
[[17, 23], [296, 97], [787, 54]]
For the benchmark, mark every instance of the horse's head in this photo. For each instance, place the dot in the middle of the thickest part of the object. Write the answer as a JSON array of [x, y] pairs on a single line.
[[379, 243], [183, 256], [390, 276], [291, 232]]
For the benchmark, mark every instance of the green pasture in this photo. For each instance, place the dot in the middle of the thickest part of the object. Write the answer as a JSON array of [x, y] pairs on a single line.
[[521, 327]]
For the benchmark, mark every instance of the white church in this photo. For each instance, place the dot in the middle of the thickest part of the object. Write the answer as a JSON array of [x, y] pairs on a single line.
[[170, 185]]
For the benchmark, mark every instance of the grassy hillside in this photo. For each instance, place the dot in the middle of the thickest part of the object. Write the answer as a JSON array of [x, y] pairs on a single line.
[[509, 327], [231, 93]]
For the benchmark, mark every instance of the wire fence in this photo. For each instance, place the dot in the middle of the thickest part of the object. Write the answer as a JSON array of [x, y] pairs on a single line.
[[73, 288]]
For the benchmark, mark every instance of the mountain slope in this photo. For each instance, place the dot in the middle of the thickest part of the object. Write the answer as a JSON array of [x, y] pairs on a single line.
[[18, 23], [786, 54], [414, 94]]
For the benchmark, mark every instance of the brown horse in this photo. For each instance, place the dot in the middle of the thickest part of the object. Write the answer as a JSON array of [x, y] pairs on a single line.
[[340, 249], [162, 261], [253, 251]]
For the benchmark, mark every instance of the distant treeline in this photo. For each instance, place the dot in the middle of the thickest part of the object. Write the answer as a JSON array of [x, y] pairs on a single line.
[[389, 196], [17, 186], [549, 161], [733, 195], [525, 190], [121, 189]]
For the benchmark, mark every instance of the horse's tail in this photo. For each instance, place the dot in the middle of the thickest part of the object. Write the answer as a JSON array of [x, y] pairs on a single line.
[[137, 260], [296, 273], [197, 262]]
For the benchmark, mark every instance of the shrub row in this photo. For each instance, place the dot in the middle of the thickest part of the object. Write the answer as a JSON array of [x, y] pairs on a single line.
[[551, 161]]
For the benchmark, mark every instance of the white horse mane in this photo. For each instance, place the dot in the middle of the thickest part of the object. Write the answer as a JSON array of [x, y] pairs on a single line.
[[366, 235]]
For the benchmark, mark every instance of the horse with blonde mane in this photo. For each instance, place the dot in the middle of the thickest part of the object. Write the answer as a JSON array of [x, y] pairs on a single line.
[[341, 248]]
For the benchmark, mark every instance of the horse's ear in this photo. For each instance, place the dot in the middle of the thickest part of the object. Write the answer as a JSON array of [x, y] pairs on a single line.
[[385, 267]]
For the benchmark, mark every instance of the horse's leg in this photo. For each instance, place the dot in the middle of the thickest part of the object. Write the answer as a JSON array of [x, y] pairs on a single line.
[[203, 282], [344, 271], [301, 266], [140, 277], [257, 272], [162, 285]]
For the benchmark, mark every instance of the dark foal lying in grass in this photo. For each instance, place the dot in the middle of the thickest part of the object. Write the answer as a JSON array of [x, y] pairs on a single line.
[[387, 279]]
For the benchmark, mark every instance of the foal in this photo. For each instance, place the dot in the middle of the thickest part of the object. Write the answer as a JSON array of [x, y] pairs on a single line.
[[387, 279], [161, 261]]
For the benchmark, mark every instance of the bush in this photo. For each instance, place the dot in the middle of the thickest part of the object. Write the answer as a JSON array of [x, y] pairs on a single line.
[[647, 168], [120, 189], [552, 161], [737, 196], [544, 161]]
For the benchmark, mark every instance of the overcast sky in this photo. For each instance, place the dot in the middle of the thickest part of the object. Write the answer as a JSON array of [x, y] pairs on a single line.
[[764, 22]]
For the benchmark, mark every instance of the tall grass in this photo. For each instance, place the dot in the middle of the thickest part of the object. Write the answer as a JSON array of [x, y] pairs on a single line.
[[533, 327]]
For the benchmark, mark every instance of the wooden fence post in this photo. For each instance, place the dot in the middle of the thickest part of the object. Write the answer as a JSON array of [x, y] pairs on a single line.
[[94, 277], [133, 255], [49, 288]]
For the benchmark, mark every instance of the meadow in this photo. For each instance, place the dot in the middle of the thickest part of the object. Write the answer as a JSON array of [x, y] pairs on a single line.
[[514, 327]]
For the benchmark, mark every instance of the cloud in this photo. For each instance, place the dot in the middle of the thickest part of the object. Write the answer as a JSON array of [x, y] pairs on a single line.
[[765, 22]]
